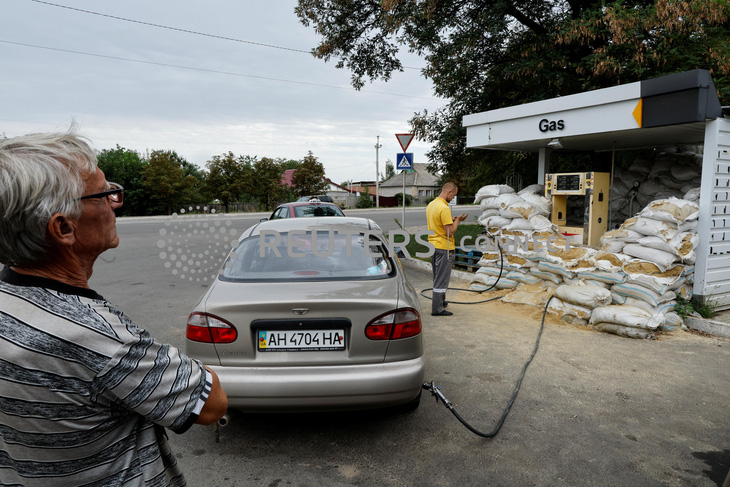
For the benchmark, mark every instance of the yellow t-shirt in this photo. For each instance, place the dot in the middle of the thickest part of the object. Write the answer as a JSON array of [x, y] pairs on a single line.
[[438, 214]]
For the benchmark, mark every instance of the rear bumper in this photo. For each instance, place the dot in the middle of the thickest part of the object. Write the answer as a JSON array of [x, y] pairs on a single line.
[[322, 387]]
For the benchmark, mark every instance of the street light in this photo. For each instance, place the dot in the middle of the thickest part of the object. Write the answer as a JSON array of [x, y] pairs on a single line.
[[377, 174]]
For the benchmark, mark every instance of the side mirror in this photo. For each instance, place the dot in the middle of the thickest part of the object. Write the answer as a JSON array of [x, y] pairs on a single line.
[[264, 220]]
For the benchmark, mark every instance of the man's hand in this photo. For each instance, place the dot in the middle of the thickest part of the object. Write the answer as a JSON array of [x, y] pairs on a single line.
[[462, 217]]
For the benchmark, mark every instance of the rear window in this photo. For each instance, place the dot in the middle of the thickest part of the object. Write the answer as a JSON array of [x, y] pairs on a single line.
[[316, 210], [313, 255]]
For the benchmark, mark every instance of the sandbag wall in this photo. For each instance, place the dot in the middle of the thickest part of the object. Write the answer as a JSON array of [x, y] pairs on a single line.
[[630, 284]]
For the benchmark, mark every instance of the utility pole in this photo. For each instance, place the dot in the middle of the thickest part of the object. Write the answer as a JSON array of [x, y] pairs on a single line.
[[377, 174]]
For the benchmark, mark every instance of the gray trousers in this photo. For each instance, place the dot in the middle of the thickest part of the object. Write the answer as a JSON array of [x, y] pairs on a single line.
[[441, 265]]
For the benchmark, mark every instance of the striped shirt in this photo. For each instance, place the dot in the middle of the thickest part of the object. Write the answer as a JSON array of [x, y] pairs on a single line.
[[85, 394]]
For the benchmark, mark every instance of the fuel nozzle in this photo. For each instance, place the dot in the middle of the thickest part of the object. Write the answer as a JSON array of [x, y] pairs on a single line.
[[436, 392]]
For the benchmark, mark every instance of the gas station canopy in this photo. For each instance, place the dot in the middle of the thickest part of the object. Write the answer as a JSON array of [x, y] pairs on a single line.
[[671, 110]]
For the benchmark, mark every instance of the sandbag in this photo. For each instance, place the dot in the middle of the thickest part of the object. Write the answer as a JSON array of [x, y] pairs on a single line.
[[613, 246], [532, 189], [602, 276], [659, 257], [684, 245], [672, 321], [692, 194], [617, 298], [652, 276], [489, 281], [491, 190], [672, 210], [562, 308], [501, 202], [491, 271], [624, 331], [621, 234], [537, 200], [546, 276], [626, 316], [495, 222], [555, 268], [638, 291], [531, 295], [610, 261], [523, 277], [650, 226], [523, 209], [585, 295]]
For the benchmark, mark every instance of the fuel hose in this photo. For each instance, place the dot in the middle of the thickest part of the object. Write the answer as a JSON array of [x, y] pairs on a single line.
[[436, 390]]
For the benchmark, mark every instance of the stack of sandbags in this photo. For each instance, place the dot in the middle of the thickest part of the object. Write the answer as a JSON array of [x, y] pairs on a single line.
[[628, 321], [644, 264], [671, 173], [575, 302], [503, 209]]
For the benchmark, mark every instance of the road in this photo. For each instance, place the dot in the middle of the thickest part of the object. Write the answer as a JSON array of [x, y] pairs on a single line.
[[594, 409]]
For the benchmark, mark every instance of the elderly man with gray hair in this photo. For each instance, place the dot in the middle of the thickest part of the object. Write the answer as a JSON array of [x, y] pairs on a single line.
[[85, 394]]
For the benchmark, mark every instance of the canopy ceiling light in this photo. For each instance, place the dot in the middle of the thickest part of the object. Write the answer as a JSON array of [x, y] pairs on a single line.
[[555, 144]]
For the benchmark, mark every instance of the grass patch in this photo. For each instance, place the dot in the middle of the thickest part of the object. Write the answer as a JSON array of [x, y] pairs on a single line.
[[464, 230]]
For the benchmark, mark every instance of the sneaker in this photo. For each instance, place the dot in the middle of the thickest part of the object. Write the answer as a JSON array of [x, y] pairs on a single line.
[[443, 313]]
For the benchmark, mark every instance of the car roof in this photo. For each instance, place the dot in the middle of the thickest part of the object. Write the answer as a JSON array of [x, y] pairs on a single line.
[[337, 223], [307, 203]]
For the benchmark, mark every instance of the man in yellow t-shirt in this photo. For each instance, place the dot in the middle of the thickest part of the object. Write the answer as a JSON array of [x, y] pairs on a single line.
[[444, 227]]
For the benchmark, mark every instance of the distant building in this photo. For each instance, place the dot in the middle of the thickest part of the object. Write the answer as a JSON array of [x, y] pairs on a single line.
[[420, 184]]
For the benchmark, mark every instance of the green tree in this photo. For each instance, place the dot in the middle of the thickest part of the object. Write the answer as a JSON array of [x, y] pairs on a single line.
[[488, 54], [389, 170], [267, 187], [365, 201], [169, 188], [228, 178], [309, 178], [126, 167]]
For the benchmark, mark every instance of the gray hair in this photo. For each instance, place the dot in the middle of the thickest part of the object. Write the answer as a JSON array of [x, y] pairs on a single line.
[[40, 175]]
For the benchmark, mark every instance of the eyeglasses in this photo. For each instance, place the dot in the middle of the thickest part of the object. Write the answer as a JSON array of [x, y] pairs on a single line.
[[115, 193]]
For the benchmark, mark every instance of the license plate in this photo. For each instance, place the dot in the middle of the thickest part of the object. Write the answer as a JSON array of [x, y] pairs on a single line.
[[300, 340]]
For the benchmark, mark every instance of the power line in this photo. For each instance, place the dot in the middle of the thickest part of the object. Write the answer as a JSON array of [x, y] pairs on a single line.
[[187, 31], [204, 70]]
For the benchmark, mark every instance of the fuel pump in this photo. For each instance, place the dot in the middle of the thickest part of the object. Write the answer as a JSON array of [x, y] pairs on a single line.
[[594, 187]]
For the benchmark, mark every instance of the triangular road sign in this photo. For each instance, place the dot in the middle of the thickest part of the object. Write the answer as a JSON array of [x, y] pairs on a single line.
[[404, 140]]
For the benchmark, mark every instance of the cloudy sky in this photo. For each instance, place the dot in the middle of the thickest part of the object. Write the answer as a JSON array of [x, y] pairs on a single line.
[[147, 87]]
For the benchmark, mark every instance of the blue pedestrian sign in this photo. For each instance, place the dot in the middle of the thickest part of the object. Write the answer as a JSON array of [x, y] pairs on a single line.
[[404, 161]]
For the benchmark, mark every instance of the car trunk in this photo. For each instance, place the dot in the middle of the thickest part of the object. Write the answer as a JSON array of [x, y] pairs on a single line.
[[302, 312]]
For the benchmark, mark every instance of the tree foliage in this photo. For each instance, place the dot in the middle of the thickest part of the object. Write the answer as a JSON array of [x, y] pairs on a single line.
[[488, 54], [228, 178], [168, 184], [268, 189], [308, 179], [125, 167]]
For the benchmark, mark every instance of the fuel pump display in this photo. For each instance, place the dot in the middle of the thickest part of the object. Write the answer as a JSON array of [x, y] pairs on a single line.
[[594, 186]]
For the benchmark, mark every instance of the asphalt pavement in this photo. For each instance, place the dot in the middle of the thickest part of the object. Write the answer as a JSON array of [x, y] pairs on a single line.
[[593, 409]]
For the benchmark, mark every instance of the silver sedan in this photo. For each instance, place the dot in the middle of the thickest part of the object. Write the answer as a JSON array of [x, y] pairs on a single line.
[[311, 314]]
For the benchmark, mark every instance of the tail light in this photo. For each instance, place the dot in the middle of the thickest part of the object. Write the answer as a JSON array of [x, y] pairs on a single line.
[[206, 328], [401, 323]]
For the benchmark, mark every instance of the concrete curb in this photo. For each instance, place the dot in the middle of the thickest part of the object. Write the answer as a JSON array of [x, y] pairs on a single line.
[[717, 328]]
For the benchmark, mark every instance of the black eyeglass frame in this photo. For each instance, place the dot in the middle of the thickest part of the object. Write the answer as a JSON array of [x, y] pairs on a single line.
[[118, 190]]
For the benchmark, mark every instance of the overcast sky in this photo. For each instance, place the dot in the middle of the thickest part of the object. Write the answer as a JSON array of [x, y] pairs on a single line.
[[151, 88]]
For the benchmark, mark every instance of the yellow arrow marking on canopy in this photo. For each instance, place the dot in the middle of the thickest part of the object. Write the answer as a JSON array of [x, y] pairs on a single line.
[[638, 110]]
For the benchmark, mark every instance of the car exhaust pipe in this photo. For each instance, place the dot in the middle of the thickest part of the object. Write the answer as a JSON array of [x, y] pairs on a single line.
[[225, 419]]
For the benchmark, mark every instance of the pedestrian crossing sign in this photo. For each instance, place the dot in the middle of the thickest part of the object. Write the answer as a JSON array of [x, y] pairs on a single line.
[[404, 161]]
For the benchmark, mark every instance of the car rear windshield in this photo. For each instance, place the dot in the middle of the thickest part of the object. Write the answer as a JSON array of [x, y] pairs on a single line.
[[312, 255], [317, 210]]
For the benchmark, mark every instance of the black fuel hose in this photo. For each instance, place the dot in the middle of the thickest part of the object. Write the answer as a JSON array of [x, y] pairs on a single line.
[[501, 269], [436, 390]]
